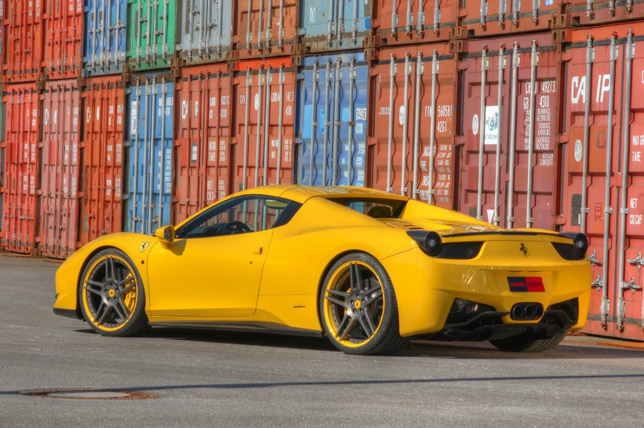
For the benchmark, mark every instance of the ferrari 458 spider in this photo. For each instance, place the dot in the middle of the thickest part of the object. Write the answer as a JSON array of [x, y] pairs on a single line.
[[367, 269]]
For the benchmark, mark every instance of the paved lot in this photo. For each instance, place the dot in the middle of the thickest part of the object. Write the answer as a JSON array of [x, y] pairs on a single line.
[[203, 378]]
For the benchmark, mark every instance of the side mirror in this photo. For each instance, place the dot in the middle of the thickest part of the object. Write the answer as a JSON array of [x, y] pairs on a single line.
[[165, 234]]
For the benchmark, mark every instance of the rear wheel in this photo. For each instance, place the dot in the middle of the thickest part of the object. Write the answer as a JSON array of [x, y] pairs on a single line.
[[527, 344], [358, 307], [111, 295]]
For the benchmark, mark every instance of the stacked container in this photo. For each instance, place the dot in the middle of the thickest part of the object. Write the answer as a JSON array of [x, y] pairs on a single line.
[[104, 37]]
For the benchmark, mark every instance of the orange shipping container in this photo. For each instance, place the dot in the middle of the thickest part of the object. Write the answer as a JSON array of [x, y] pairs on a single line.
[[21, 168], [579, 13], [63, 38], [502, 17], [603, 176], [202, 160], [24, 31], [101, 180], [59, 204], [411, 137], [264, 122]]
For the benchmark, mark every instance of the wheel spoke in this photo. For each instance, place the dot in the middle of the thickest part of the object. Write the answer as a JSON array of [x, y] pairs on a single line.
[[128, 288], [336, 301], [120, 309], [371, 328], [125, 280], [373, 296], [106, 310], [93, 290], [356, 277], [109, 269], [342, 334], [338, 293], [365, 326]]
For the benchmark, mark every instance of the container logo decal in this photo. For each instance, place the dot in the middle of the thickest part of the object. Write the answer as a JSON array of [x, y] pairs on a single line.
[[184, 109], [46, 116], [196, 108], [256, 103], [578, 151], [401, 115], [491, 124], [475, 124]]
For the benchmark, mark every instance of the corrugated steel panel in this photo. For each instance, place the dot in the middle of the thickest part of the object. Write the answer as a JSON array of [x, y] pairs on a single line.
[[333, 25], [204, 30], [489, 17], [413, 125], [332, 120], [63, 39], [150, 134], [579, 13], [266, 28], [104, 37], [202, 156], [509, 129], [24, 30], [415, 21], [21, 167], [151, 33], [265, 121], [59, 197], [102, 155], [603, 190]]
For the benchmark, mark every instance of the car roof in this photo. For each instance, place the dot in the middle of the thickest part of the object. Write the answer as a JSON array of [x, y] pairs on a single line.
[[300, 194]]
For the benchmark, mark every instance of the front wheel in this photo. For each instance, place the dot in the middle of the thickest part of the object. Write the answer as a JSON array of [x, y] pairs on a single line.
[[527, 344], [358, 307], [111, 295]]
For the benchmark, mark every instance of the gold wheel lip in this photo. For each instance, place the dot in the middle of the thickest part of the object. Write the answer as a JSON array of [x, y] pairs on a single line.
[[337, 273], [134, 290]]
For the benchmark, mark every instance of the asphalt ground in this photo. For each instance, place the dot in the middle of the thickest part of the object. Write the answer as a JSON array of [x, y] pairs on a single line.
[[186, 378]]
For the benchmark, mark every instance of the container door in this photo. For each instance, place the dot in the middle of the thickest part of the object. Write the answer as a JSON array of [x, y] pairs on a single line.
[[150, 155], [59, 205], [333, 121], [64, 37], [24, 29], [266, 27], [104, 41], [488, 17], [152, 33], [205, 30], [336, 24]]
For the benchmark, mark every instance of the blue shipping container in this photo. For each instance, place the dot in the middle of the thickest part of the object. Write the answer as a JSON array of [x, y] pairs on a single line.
[[104, 37], [332, 120], [150, 163], [334, 24]]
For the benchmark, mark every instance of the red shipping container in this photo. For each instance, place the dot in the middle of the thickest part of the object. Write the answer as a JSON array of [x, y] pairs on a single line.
[[490, 18], [582, 13], [202, 157], [24, 31], [264, 126], [265, 28], [411, 137], [417, 21], [101, 178], [63, 38], [59, 204], [603, 188], [512, 181], [21, 168]]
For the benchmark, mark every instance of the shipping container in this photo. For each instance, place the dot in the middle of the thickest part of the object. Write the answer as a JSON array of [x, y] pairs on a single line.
[[151, 33], [510, 100], [150, 147], [21, 168], [101, 179], [582, 13], [264, 122], [59, 190], [333, 97], [503, 17], [202, 144], [603, 175], [104, 37], [415, 21], [24, 33], [205, 29], [328, 26], [266, 28], [412, 123], [63, 39]]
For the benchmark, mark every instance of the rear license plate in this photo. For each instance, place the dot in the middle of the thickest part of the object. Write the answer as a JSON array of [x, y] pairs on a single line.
[[530, 284]]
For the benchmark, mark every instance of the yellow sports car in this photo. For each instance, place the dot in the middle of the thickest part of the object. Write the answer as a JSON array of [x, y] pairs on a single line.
[[368, 269]]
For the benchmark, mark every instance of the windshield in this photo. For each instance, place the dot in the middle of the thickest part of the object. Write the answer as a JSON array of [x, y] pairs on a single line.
[[373, 207]]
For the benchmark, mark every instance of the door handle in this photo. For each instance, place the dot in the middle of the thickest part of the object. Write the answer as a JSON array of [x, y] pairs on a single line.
[[259, 251]]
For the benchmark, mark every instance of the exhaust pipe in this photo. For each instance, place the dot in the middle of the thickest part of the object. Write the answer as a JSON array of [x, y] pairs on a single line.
[[526, 311]]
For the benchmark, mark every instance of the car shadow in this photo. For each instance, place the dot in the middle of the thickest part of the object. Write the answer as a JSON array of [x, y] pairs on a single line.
[[415, 349]]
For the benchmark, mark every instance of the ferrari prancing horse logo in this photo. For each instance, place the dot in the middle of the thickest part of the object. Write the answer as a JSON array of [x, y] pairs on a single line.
[[143, 246], [524, 249]]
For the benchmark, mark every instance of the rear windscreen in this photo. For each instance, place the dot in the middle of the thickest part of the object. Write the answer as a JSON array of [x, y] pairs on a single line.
[[373, 207]]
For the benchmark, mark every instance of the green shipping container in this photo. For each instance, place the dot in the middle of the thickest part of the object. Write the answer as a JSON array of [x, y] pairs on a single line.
[[151, 33]]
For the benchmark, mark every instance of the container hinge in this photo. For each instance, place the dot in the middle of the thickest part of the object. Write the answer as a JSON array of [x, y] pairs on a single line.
[[608, 210], [593, 258], [597, 283], [630, 286], [637, 261]]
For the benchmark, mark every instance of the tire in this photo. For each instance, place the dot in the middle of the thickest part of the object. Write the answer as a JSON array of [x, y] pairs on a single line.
[[529, 345], [111, 295], [360, 320]]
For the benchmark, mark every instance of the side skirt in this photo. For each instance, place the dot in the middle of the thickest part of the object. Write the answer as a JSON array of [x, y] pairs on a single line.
[[247, 327]]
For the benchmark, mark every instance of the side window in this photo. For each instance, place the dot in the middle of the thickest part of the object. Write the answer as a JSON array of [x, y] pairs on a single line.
[[244, 214]]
